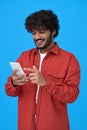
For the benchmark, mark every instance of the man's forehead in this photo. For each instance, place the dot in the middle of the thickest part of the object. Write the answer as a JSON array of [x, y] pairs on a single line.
[[39, 29]]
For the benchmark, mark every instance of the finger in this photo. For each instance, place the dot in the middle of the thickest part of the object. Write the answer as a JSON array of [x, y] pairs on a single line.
[[20, 82], [32, 78], [34, 67], [18, 77], [14, 72], [27, 69], [21, 76], [32, 74], [33, 81]]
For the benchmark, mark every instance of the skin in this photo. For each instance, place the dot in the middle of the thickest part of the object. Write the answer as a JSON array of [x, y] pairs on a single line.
[[44, 42]]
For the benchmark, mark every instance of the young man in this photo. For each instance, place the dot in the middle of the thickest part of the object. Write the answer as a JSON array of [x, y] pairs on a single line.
[[51, 81]]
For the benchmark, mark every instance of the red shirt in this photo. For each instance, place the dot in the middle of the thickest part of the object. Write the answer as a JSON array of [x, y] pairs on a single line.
[[62, 72]]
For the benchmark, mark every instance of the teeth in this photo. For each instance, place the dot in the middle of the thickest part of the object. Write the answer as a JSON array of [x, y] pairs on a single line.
[[39, 41]]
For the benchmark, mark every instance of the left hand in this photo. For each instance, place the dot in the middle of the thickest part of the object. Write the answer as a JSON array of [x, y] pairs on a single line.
[[36, 76]]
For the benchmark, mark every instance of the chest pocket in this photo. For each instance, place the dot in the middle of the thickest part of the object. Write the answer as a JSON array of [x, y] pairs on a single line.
[[56, 72]]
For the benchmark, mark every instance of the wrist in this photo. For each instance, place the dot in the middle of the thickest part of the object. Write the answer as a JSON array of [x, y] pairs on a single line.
[[13, 83]]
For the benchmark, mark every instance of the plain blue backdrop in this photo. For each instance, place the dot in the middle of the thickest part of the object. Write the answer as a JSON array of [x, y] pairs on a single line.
[[14, 39]]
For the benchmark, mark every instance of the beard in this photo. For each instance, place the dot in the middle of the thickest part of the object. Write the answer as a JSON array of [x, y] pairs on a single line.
[[47, 42]]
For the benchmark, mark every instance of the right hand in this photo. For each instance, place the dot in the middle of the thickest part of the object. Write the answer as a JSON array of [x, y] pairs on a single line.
[[18, 79]]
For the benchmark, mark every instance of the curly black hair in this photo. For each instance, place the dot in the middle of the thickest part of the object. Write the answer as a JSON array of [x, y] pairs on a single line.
[[43, 19]]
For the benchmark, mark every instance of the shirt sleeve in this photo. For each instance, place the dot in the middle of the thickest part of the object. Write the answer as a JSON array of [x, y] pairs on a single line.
[[11, 90], [66, 91]]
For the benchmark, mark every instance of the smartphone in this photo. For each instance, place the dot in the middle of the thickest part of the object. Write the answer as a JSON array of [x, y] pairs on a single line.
[[16, 65]]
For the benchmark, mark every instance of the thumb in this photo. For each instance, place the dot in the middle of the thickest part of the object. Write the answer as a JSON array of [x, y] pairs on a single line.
[[14, 72]]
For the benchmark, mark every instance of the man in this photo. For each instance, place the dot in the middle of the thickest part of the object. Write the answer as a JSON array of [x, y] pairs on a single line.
[[51, 81]]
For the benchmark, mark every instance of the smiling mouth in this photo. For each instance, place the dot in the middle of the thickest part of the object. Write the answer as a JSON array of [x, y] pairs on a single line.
[[39, 41]]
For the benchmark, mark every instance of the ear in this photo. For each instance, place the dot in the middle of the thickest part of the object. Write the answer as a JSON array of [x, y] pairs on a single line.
[[54, 32]]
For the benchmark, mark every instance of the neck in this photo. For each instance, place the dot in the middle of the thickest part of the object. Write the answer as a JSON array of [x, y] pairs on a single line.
[[45, 50]]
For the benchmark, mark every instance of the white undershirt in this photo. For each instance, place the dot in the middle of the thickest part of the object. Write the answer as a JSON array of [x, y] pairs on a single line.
[[41, 59]]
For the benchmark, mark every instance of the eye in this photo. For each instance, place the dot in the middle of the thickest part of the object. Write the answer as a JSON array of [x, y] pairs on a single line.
[[42, 31]]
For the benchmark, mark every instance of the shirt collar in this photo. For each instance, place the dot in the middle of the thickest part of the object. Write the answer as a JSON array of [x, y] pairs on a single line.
[[54, 50]]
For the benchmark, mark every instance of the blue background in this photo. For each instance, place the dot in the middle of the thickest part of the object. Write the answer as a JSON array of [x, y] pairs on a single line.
[[14, 39]]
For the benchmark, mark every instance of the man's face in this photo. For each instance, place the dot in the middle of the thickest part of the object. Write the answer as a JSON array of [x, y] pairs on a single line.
[[42, 38]]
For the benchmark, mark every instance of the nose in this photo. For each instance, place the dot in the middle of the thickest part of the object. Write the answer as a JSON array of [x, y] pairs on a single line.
[[36, 36]]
